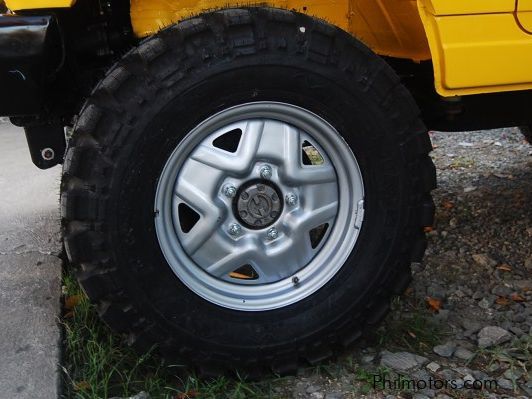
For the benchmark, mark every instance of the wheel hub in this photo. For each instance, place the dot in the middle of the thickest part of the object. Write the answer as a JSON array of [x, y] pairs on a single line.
[[258, 204], [260, 227]]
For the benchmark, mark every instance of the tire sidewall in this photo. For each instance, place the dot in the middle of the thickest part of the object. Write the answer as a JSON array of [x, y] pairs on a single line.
[[157, 130]]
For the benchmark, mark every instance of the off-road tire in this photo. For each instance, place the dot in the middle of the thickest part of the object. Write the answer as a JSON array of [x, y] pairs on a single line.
[[527, 132], [183, 75]]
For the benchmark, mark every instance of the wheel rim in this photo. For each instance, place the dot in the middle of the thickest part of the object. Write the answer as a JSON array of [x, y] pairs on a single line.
[[259, 206]]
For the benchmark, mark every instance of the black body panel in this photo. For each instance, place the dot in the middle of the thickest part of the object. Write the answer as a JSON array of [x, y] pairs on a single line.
[[28, 54]]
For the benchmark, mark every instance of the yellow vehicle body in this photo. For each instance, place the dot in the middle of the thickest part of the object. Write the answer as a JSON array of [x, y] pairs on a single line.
[[36, 4], [479, 46], [476, 46]]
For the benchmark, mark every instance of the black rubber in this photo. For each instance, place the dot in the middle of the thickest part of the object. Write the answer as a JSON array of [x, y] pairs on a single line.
[[155, 95], [527, 132]]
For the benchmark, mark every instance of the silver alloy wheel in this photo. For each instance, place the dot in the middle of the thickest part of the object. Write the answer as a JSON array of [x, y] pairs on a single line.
[[195, 219]]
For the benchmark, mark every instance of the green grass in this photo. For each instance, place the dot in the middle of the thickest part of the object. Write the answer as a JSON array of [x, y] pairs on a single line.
[[366, 379], [410, 326], [462, 163], [98, 364], [517, 356]]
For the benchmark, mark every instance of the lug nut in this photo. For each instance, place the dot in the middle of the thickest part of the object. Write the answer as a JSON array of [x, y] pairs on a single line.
[[266, 172], [291, 199], [235, 230], [273, 234], [229, 191]]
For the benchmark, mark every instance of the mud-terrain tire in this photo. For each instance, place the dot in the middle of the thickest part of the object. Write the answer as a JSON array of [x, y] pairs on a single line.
[[527, 132], [148, 105]]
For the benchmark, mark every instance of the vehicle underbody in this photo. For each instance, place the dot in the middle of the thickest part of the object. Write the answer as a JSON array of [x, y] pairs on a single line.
[[70, 50]]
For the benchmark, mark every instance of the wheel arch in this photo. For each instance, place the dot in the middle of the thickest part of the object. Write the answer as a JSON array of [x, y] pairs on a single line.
[[400, 31]]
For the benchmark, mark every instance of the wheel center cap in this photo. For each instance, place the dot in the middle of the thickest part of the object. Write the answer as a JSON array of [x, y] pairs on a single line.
[[258, 204]]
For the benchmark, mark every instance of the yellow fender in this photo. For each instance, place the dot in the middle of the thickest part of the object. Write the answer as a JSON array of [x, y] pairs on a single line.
[[479, 46], [391, 28]]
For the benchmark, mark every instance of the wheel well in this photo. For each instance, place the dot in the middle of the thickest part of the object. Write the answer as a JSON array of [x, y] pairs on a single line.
[[94, 35], [461, 113]]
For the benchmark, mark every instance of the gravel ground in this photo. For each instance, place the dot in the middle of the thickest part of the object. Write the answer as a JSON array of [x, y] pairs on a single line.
[[466, 321], [463, 329]]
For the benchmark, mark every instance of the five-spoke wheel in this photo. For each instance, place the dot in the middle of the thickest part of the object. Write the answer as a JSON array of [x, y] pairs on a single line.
[[259, 206]]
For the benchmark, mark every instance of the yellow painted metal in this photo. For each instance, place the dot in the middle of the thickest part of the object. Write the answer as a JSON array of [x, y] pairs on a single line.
[[477, 53], [524, 15], [36, 4], [525, 21], [468, 7], [149, 16], [524, 5], [477, 46], [389, 27]]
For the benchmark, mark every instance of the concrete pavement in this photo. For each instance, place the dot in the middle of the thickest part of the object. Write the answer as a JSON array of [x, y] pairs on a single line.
[[30, 272]]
